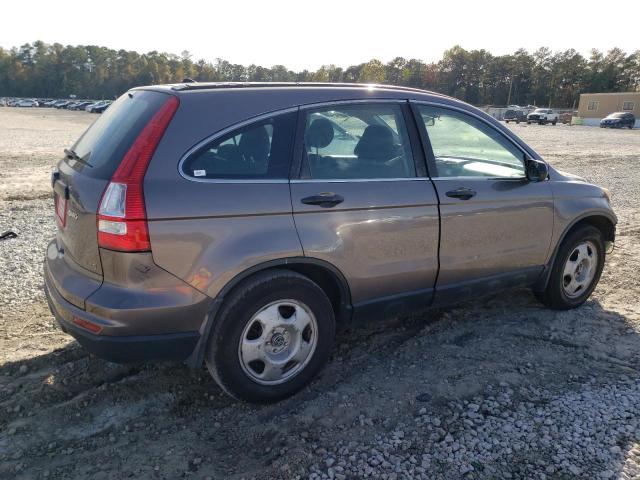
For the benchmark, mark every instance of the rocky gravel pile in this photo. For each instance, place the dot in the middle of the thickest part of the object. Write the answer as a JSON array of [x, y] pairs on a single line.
[[528, 433], [495, 389], [21, 257]]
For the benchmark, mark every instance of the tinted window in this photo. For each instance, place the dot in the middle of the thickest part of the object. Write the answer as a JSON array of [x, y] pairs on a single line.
[[464, 146], [357, 141], [261, 150], [107, 140]]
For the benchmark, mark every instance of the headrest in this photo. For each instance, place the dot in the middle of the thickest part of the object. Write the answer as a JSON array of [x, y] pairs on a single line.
[[255, 143], [376, 143], [320, 133]]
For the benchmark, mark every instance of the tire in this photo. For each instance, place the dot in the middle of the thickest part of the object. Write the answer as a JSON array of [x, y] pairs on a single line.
[[283, 299], [554, 123], [506, 121], [528, 122], [556, 295]]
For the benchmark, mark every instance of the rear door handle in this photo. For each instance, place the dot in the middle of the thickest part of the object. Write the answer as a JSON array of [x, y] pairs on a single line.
[[324, 200], [462, 193]]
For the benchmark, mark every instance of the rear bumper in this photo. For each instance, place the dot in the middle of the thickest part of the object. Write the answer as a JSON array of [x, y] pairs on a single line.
[[137, 312], [122, 349]]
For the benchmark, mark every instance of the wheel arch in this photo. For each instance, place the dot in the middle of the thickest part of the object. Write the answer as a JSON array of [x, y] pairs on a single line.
[[604, 222], [328, 277]]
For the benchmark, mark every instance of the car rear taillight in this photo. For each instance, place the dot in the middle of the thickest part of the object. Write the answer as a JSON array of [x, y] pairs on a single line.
[[122, 218]]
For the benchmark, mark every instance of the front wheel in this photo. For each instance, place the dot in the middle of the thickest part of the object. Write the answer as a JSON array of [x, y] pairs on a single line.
[[576, 269], [271, 337], [554, 123]]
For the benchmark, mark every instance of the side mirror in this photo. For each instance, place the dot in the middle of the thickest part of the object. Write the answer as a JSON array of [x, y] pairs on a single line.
[[537, 171]]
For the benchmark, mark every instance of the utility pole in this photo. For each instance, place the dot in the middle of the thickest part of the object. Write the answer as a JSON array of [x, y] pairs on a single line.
[[551, 92], [510, 86]]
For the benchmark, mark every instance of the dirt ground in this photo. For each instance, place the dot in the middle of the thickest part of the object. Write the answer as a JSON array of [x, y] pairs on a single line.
[[392, 393]]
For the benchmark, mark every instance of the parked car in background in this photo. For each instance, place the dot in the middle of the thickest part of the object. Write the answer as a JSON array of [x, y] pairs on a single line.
[[81, 105], [515, 116], [618, 120], [27, 103], [101, 108], [92, 106], [62, 104], [236, 225], [542, 116]]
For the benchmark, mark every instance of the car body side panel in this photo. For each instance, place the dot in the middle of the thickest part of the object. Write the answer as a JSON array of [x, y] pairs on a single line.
[[383, 237], [247, 224], [506, 227], [575, 200]]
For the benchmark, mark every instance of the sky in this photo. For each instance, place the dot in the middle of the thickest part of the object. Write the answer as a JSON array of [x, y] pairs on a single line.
[[307, 34]]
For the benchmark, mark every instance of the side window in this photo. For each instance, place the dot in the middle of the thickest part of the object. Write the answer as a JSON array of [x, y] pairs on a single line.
[[260, 150], [357, 141], [464, 146]]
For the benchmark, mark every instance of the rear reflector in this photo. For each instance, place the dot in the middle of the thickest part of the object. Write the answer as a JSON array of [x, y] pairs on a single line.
[[87, 325], [122, 218]]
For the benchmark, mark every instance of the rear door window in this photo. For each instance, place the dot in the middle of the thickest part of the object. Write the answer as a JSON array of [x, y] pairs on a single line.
[[104, 144], [357, 142], [260, 150]]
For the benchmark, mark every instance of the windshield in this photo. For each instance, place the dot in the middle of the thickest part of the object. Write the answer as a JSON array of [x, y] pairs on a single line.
[[616, 115], [540, 110]]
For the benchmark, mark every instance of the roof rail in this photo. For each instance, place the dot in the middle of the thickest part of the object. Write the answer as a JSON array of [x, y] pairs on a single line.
[[221, 85]]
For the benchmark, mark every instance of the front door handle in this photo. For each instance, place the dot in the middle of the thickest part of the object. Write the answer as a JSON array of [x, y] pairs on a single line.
[[462, 193], [324, 200]]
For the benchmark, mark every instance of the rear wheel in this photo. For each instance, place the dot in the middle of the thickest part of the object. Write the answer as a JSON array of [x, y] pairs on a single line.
[[576, 269], [271, 337]]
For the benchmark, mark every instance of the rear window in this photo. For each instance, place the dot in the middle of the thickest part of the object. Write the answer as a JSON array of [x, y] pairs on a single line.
[[257, 151], [107, 140]]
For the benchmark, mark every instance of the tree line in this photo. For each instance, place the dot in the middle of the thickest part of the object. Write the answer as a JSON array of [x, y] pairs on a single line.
[[540, 78]]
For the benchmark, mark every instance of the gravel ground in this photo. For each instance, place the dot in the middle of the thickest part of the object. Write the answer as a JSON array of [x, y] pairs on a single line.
[[499, 388]]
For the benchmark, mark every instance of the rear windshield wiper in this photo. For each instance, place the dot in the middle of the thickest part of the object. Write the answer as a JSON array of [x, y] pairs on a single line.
[[71, 155]]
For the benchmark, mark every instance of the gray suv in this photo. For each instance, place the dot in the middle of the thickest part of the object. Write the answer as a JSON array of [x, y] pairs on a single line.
[[237, 224]]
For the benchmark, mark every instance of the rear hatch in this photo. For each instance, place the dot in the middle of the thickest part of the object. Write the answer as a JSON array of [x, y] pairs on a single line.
[[85, 171]]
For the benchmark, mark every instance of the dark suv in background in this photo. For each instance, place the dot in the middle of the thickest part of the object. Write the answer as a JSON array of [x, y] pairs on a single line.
[[237, 224], [618, 120], [514, 116]]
